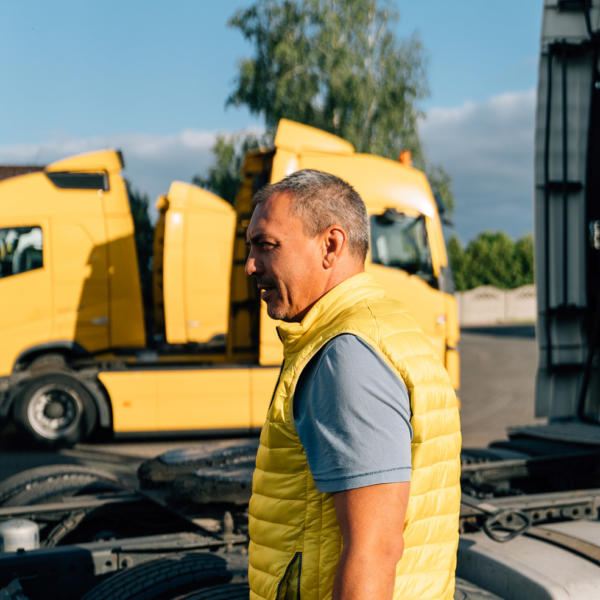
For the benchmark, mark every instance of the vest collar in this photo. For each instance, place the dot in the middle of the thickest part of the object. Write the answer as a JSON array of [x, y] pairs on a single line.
[[326, 308]]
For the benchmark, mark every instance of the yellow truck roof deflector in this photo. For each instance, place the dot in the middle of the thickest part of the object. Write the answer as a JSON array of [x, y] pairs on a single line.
[[104, 160], [299, 138]]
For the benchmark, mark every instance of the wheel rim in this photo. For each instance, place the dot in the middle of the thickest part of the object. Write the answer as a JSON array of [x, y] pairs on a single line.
[[54, 411]]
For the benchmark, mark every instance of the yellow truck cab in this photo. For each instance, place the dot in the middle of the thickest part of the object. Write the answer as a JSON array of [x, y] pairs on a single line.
[[407, 251], [76, 356], [69, 274]]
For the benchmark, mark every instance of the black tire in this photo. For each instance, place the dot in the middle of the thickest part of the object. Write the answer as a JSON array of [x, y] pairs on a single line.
[[49, 362], [164, 469], [162, 579], [229, 591], [52, 482], [465, 590], [213, 485], [55, 409]]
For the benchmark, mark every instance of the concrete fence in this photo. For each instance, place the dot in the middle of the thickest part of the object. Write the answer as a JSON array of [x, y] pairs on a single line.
[[487, 305]]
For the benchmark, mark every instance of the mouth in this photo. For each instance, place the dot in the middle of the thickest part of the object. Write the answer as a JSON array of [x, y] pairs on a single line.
[[265, 289]]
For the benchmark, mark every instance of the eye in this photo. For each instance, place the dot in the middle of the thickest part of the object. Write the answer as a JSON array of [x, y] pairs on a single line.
[[266, 246]]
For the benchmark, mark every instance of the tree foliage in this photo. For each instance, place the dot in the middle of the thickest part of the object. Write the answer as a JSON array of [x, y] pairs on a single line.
[[333, 64], [440, 182], [492, 259], [224, 176], [144, 237], [336, 65], [456, 256], [524, 259]]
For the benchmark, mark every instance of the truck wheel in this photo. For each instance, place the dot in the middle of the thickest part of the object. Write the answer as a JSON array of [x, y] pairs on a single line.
[[55, 409], [229, 591], [162, 579], [53, 482], [48, 362]]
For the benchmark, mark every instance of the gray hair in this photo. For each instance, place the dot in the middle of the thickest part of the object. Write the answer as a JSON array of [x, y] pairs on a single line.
[[321, 200]]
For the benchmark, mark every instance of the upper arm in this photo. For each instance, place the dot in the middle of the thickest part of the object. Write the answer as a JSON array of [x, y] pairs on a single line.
[[373, 516], [352, 413]]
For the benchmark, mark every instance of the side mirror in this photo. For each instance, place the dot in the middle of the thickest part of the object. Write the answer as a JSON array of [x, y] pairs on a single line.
[[442, 209]]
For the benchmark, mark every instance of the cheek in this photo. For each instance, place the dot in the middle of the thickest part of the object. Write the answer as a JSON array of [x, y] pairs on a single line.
[[306, 274], [311, 261], [295, 272]]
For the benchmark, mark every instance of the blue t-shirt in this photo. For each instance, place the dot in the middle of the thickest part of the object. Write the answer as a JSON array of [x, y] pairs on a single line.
[[352, 413]]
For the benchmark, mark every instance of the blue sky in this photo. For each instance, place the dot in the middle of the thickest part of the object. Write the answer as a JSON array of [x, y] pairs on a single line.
[[152, 78]]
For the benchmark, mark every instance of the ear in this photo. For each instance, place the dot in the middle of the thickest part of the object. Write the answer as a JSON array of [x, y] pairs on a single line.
[[334, 245]]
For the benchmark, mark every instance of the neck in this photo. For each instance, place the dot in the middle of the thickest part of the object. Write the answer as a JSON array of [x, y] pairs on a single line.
[[336, 277], [343, 272]]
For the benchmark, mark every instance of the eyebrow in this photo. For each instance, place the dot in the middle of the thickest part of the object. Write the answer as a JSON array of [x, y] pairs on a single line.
[[255, 239]]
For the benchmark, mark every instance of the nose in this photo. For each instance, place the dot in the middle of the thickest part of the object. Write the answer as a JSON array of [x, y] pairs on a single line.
[[251, 265]]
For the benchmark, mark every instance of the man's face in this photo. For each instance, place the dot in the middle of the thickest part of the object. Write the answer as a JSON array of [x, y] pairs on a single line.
[[285, 261]]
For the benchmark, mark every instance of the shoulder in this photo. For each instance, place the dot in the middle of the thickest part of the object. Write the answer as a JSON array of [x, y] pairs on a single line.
[[376, 317], [348, 346], [347, 365], [350, 355]]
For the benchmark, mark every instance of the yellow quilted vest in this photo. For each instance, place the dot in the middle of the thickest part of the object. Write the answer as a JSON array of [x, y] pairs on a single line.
[[295, 541]]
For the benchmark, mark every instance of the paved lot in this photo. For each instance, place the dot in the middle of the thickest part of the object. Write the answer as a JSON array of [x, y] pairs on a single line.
[[498, 374], [498, 381]]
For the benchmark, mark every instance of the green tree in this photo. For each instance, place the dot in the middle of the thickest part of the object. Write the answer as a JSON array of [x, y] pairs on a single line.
[[524, 260], [441, 184], [456, 256], [492, 258], [336, 65], [144, 238], [224, 177]]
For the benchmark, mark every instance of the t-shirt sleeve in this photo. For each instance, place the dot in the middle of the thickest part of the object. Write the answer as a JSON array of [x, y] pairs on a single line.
[[352, 414]]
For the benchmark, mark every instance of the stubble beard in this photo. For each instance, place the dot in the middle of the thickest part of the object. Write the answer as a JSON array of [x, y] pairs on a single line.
[[277, 310], [277, 313]]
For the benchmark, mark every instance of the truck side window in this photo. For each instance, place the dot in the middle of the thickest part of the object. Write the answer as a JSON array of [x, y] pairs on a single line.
[[400, 241], [20, 250]]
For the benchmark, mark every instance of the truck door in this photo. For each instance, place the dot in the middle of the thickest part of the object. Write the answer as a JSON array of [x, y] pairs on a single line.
[[401, 261], [80, 282], [26, 315]]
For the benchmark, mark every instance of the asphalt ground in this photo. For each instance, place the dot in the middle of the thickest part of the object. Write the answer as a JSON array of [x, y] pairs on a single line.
[[498, 367]]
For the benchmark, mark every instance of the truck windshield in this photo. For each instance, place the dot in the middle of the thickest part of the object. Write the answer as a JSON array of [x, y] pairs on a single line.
[[400, 241]]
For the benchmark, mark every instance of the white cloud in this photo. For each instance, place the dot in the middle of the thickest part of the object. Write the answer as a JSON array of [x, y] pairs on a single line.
[[486, 147], [488, 150], [152, 161]]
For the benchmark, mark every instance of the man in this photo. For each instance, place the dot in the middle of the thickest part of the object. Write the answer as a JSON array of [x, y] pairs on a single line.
[[345, 505]]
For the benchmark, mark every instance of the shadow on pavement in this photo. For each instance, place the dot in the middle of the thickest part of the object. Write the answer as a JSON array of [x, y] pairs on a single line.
[[18, 454], [522, 331]]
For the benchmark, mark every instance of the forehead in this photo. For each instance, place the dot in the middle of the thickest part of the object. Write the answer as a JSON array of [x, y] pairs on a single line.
[[273, 216]]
